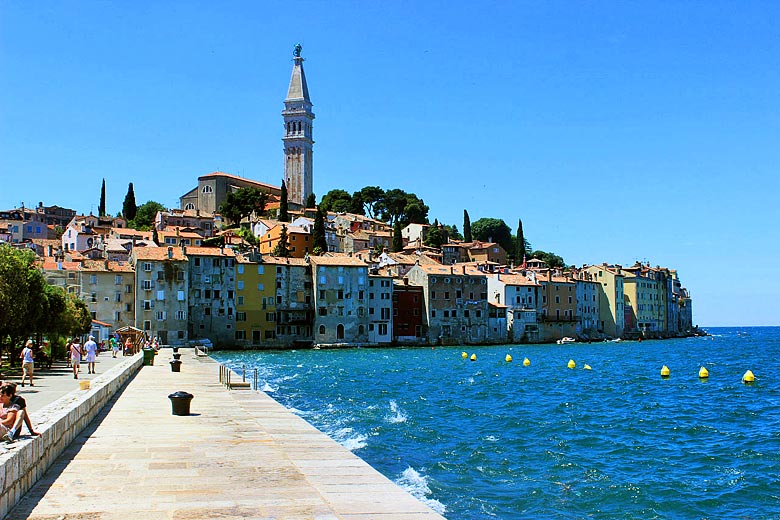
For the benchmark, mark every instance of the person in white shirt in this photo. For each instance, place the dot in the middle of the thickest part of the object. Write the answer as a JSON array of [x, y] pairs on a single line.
[[90, 347], [27, 361]]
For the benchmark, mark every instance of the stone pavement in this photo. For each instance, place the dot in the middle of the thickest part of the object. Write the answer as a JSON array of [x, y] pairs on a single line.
[[239, 454], [52, 384]]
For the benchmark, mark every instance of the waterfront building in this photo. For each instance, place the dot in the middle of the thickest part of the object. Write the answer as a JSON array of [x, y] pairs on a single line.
[[108, 289], [340, 300], [298, 137], [161, 293], [211, 295], [486, 252], [380, 309], [456, 305], [255, 301], [520, 293], [294, 314], [611, 304], [587, 297], [557, 318], [408, 310]]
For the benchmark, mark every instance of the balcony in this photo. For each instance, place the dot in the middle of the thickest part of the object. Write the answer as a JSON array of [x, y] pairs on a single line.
[[558, 319]]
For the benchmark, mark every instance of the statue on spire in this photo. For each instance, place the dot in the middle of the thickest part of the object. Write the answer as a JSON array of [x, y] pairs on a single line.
[[297, 51]]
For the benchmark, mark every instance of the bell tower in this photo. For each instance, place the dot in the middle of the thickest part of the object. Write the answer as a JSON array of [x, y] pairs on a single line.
[[298, 142]]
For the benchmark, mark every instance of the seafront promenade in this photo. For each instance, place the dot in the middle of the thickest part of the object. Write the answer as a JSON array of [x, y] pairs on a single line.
[[239, 454]]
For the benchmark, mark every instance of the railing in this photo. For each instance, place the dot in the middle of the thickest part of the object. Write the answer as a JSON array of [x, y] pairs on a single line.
[[226, 376]]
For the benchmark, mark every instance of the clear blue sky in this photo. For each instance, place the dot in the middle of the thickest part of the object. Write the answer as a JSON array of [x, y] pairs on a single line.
[[617, 131]]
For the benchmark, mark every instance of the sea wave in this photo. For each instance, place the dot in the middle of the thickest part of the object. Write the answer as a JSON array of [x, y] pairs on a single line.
[[417, 485], [396, 414]]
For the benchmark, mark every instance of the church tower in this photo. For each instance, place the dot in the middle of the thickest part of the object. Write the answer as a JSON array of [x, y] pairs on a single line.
[[297, 139]]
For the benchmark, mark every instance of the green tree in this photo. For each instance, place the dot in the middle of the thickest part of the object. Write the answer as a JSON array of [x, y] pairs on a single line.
[[493, 230], [311, 201], [129, 208], [398, 206], [521, 248], [318, 232], [283, 209], [452, 232], [370, 197], [398, 241], [551, 259], [434, 237], [338, 201], [145, 215], [242, 203], [282, 247], [102, 205], [467, 227]]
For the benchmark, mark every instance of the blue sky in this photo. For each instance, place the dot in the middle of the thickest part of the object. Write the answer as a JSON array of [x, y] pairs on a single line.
[[617, 131]]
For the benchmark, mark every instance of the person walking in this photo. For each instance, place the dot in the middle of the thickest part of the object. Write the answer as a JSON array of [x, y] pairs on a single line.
[[90, 347], [114, 346], [27, 361], [75, 356]]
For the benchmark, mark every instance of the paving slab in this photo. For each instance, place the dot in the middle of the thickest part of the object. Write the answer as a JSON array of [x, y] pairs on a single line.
[[238, 454]]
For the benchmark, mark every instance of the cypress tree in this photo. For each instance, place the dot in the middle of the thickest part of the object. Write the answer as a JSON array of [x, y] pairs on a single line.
[[283, 215], [282, 247], [398, 243], [311, 201], [129, 208], [467, 227], [318, 232], [520, 242], [102, 205]]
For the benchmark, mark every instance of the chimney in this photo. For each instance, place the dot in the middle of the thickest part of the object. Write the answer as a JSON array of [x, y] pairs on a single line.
[[452, 269], [170, 252]]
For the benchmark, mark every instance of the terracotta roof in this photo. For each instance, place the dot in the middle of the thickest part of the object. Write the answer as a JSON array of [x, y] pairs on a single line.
[[210, 251], [279, 260], [51, 265], [167, 232], [158, 253], [331, 259], [514, 279]]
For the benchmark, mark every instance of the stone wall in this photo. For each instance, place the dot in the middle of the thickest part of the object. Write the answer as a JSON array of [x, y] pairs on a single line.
[[59, 423]]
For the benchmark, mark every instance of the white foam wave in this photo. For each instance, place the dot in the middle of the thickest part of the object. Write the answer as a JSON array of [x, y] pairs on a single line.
[[396, 414], [268, 388], [355, 443], [417, 485]]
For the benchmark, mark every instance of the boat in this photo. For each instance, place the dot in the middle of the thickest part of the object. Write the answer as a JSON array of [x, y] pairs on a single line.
[[565, 340]]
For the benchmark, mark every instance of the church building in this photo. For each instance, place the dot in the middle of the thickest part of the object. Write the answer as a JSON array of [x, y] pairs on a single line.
[[213, 188]]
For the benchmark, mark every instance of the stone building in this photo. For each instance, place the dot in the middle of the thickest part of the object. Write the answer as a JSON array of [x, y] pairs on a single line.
[[340, 300], [298, 136], [211, 296]]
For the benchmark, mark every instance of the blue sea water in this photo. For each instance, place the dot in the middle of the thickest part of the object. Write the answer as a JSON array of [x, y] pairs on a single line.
[[491, 439]]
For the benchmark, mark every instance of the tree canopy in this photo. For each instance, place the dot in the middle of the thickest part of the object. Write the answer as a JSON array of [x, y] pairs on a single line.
[[282, 247], [338, 201], [467, 227], [319, 242], [102, 204], [242, 203], [551, 259], [129, 208], [145, 215], [495, 230], [284, 216]]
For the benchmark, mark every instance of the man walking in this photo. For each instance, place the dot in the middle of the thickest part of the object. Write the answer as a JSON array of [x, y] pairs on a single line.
[[27, 361], [90, 347], [75, 356]]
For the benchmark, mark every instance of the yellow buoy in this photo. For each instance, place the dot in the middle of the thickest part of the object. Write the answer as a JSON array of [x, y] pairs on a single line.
[[587, 367], [664, 371], [464, 355], [748, 377], [508, 358], [571, 364], [473, 357], [703, 373], [526, 362]]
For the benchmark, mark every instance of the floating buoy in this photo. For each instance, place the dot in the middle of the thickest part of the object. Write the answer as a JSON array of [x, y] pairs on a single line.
[[473, 357], [526, 362], [703, 373], [508, 358], [571, 364], [464, 355], [748, 377], [664, 371], [587, 367]]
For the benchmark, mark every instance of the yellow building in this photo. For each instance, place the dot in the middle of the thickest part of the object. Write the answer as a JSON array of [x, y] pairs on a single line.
[[299, 240], [255, 301], [558, 306], [645, 293], [611, 302]]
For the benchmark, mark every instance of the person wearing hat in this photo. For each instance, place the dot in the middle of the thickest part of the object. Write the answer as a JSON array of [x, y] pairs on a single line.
[[75, 356], [27, 361], [90, 347]]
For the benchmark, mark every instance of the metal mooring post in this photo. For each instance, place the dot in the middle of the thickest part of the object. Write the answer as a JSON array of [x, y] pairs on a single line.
[[243, 373], [255, 379]]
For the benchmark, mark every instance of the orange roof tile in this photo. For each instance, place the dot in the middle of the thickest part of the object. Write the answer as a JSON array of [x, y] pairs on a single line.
[[209, 251]]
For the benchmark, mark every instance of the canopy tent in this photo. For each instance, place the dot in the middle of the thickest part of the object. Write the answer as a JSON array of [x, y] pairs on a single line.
[[136, 337]]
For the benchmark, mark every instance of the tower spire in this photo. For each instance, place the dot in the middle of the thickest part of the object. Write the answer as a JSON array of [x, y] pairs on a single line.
[[298, 141]]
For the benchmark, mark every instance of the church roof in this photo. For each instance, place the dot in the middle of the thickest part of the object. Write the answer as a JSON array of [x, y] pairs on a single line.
[[298, 89]]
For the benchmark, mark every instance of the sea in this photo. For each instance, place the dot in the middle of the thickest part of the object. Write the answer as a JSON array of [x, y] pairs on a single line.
[[492, 438]]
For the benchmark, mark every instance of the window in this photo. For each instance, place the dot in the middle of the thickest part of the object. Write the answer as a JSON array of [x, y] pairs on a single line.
[[161, 275], [240, 334], [161, 315], [147, 284], [160, 295], [181, 315], [433, 314], [270, 316], [207, 189], [148, 267], [207, 294], [260, 269], [240, 316], [216, 294], [446, 314], [322, 280], [240, 300], [117, 296], [323, 311], [147, 325], [383, 329], [340, 294], [207, 311], [322, 330], [340, 331], [260, 287], [240, 285], [197, 262], [118, 279], [180, 296], [385, 313], [361, 295]]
